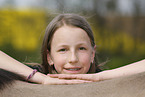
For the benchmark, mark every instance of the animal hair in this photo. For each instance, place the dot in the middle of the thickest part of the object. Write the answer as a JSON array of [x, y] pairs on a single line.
[[7, 78]]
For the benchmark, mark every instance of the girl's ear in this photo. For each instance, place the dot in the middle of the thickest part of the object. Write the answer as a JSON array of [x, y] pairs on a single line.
[[49, 59], [93, 54]]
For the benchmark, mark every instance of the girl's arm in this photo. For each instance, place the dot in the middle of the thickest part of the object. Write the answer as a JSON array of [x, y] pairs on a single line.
[[130, 69], [12, 65]]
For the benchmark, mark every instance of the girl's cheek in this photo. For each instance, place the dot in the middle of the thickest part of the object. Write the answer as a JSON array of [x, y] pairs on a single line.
[[85, 58], [59, 63], [59, 59]]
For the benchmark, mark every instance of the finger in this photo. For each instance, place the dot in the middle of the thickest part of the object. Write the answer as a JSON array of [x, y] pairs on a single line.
[[73, 81], [68, 76], [61, 76], [87, 77], [53, 75], [73, 76], [76, 76]]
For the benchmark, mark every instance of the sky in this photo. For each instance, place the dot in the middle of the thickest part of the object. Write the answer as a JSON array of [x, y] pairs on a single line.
[[125, 6]]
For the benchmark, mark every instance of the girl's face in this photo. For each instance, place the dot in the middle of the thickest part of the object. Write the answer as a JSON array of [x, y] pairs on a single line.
[[71, 51]]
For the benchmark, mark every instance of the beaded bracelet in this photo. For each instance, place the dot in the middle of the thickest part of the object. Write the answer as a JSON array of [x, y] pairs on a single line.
[[32, 74]]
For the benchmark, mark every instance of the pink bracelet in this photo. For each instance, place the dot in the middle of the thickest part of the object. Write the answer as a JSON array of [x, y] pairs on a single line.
[[32, 74]]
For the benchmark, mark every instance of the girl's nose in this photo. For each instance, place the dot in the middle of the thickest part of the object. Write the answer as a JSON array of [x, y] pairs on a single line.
[[73, 58]]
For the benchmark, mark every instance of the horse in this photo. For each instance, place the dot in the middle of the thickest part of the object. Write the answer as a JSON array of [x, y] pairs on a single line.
[[13, 85]]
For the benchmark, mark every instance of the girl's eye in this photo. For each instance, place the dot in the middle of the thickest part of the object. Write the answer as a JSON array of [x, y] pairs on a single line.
[[82, 48], [62, 50]]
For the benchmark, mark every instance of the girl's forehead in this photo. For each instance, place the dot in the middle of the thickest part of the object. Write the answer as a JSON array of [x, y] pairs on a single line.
[[70, 30], [70, 34]]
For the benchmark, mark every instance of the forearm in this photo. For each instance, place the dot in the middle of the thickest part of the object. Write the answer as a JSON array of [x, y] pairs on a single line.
[[10, 64], [130, 69]]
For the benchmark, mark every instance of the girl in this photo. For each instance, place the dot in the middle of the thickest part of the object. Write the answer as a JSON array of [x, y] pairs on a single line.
[[68, 48]]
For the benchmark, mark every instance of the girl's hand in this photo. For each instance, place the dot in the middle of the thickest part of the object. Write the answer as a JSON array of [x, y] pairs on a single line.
[[57, 81], [87, 77]]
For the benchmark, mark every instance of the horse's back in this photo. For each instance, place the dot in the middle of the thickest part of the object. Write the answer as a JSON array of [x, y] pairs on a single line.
[[129, 86]]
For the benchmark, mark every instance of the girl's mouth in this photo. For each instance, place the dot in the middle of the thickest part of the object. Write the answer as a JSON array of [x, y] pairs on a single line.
[[72, 70]]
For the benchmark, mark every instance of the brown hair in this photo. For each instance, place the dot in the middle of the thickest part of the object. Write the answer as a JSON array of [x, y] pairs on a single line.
[[57, 22]]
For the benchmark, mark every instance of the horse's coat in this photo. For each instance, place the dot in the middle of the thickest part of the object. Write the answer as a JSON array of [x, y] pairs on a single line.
[[129, 86]]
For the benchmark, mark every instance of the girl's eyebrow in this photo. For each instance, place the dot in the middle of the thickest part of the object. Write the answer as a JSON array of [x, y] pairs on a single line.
[[62, 45], [65, 44], [82, 43]]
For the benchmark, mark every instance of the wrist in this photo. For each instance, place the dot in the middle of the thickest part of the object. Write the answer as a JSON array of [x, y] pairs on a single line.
[[110, 74], [31, 75], [104, 75], [38, 78]]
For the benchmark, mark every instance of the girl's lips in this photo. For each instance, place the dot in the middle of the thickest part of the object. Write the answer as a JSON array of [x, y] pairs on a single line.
[[73, 70]]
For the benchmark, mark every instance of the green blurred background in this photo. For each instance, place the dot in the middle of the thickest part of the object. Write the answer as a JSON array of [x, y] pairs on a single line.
[[118, 26]]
